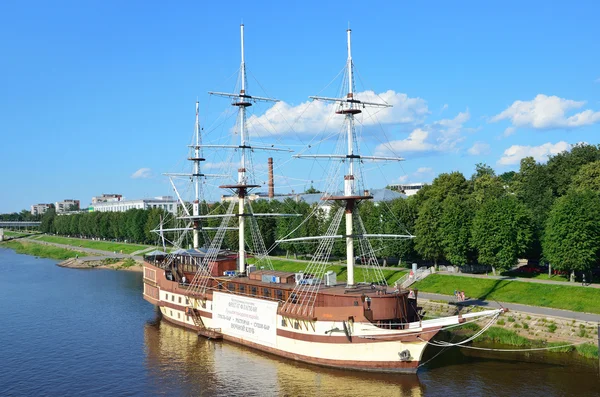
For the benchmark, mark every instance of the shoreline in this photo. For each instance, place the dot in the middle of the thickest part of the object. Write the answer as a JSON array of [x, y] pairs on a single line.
[[71, 257], [82, 263]]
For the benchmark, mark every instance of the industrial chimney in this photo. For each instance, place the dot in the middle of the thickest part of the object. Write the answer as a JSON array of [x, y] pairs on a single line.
[[271, 183]]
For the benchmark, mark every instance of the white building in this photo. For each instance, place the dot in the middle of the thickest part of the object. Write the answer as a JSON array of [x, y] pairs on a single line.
[[66, 205], [39, 209], [167, 203], [408, 188], [106, 198]]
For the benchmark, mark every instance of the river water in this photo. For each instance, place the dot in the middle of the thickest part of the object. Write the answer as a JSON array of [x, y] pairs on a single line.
[[67, 332]]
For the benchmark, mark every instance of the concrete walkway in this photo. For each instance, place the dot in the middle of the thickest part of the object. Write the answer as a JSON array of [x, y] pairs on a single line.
[[544, 311], [522, 279]]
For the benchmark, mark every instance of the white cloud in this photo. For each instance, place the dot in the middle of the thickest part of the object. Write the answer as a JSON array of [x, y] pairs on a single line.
[[445, 107], [547, 112], [424, 170], [515, 153], [402, 179], [509, 131], [597, 80], [313, 117], [479, 148], [420, 174], [440, 136], [142, 173]]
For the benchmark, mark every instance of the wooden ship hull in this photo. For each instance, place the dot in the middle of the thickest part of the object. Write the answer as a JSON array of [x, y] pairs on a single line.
[[387, 336]]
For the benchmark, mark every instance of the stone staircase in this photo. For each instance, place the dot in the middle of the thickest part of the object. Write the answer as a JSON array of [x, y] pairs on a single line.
[[410, 278]]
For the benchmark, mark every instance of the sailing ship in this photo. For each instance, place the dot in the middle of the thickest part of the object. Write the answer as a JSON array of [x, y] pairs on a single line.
[[306, 316]]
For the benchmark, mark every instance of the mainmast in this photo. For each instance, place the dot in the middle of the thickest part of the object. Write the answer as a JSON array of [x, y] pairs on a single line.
[[349, 112], [242, 101], [197, 159], [242, 105]]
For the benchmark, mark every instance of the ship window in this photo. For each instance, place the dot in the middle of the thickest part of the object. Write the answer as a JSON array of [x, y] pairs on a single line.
[[283, 322], [167, 297], [187, 318], [187, 301], [180, 299], [279, 294], [242, 288], [178, 315], [171, 312], [231, 286], [253, 291], [293, 298], [267, 292], [297, 325], [172, 298]]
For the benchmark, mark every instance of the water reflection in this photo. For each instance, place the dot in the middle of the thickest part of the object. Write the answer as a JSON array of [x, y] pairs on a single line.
[[182, 363]]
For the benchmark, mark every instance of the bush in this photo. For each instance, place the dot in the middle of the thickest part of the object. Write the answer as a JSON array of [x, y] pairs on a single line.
[[127, 263], [588, 350]]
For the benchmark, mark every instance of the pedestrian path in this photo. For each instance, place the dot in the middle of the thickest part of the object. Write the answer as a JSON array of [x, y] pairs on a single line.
[[544, 311], [522, 279], [142, 251]]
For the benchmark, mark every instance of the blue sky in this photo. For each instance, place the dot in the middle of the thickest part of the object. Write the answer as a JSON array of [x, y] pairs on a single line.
[[92, 92]]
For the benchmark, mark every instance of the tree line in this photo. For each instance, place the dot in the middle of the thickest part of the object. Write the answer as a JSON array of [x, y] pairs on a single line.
[[134, 225], [548, 212]]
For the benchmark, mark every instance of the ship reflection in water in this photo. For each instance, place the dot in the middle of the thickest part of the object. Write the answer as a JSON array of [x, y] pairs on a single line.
[[181, 363]]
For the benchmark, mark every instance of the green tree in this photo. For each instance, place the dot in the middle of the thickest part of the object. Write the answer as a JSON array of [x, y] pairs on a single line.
[[564, 166], [482, 169], [487, 187], [533, 187], [400, 220], [153, 220], [312, 190], [572, 237], [455, 229], [445, 185], [428, 240], [588, 177], [501, 232], [507, 178], [47, 225]]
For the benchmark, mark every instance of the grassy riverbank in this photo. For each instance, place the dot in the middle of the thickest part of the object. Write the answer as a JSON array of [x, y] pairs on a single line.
[[9, 233], [504, 337], [98, 245], [577, 299], [43, 251], [359, 273]]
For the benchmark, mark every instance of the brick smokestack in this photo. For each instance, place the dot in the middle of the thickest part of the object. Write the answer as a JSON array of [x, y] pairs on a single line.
[[271, 183]]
